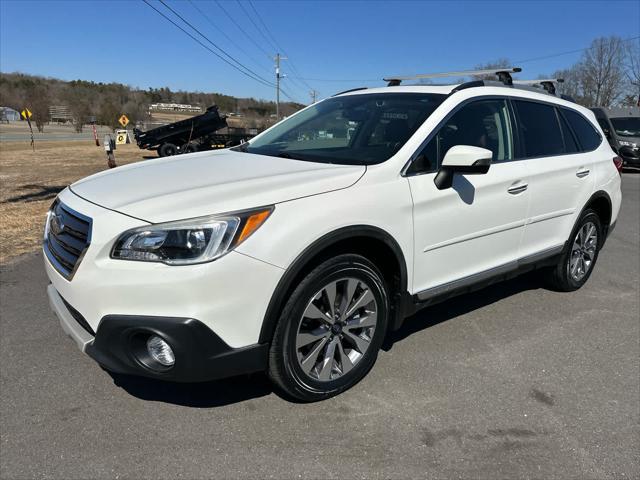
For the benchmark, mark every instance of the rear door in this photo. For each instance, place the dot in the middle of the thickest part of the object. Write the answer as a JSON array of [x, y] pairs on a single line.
[[561, 175], [475, 227]]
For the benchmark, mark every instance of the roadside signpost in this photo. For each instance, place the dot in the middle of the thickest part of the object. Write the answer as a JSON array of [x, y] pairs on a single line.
[[26, 114], [109, 148], [95, 135], [122, 137]]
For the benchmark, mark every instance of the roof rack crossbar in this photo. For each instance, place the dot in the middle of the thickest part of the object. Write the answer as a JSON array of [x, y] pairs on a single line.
[[549, 84], [503, 74]]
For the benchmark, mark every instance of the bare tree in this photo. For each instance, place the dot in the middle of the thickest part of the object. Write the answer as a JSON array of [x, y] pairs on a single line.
[[39, 101], [602, 72], [78, 98], [494, 65], [632, 69], [572, 83]]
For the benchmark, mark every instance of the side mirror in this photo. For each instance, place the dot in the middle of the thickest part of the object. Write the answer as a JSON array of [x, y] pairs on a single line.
[[462, 159]]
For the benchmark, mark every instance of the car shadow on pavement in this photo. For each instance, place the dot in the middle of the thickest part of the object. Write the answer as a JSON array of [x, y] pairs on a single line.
[[463, 304], [211, 394], [219, 393]]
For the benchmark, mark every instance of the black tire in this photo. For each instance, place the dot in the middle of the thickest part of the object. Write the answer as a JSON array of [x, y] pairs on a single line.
[[559, 277], [167, 150], [285, 368]]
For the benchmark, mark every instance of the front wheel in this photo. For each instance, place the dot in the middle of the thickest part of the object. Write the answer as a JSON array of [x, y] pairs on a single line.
[[330, 330], [575, 267]]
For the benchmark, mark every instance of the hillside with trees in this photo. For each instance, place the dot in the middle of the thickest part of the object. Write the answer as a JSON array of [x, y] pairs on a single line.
[[107, 101]]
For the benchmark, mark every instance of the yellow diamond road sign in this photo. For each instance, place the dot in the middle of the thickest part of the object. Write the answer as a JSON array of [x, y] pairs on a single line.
[[26, 113], [124, 121]]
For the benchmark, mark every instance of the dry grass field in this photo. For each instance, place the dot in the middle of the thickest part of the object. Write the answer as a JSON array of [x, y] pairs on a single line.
[[29, 181]]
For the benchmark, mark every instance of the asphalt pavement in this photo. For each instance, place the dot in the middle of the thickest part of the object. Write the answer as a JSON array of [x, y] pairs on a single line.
[[514, 381]]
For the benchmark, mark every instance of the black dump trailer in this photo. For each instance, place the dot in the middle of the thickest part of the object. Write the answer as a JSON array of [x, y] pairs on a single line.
[[190, 135]]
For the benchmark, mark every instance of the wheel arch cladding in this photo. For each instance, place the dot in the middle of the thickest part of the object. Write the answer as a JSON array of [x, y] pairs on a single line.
[[371, 242], [601, 203]]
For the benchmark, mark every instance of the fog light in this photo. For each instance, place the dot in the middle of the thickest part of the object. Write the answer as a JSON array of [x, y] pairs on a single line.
[[160, 351]]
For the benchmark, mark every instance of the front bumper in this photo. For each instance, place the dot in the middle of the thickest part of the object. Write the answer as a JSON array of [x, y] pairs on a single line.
[[630, 156], [213, 312], [200, 355]]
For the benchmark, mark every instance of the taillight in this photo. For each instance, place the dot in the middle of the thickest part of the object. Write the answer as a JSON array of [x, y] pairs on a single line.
[[617, 161]]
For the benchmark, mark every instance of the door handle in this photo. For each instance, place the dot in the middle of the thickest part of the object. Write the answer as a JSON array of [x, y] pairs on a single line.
[[517, 188], [582, 172]]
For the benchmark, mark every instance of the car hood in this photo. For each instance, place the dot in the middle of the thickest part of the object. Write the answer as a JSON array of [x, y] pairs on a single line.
[[206, 183]]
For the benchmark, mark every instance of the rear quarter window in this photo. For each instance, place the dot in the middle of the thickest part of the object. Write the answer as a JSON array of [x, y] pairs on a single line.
[[588, 136]]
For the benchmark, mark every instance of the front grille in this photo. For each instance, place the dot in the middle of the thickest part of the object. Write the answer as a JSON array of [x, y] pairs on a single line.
[[68, 234], [79, 318]]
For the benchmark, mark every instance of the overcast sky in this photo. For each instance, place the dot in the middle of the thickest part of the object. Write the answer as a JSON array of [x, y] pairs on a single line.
[[332, 45]]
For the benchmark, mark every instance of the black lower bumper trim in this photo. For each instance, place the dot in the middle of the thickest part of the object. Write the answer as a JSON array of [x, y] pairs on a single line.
[[200, 355]]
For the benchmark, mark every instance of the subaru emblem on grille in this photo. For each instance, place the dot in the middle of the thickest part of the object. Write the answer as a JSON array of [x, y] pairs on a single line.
[[57, 225]]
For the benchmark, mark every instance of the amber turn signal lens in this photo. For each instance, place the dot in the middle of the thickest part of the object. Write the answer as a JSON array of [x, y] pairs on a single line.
[[252, 224]]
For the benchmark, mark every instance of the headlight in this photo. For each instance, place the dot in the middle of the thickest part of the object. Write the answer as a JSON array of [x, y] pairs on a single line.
[[627, 144], [191, 241]]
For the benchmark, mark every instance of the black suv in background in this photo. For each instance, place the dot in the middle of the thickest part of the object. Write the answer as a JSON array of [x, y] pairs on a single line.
[[621, 126]]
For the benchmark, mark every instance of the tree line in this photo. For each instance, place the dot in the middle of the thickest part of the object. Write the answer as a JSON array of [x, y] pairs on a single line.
[[607, 74], [107, 101]]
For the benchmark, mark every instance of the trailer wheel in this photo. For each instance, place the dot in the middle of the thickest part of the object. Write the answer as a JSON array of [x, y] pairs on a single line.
[[167, 150]]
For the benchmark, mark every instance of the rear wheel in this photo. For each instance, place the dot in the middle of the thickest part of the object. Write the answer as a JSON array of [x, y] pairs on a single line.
[[167, 150], [577, 263], [330, 330]]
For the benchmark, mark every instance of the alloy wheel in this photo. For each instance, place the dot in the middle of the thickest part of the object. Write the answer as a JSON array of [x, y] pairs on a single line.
[[583, 251], [336, 329]]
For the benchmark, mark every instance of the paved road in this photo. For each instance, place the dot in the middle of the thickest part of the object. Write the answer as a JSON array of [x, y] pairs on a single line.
[[18, 132], [511, 382]]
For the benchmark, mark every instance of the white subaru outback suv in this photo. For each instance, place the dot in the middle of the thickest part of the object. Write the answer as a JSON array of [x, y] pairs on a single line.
[[297, 252]]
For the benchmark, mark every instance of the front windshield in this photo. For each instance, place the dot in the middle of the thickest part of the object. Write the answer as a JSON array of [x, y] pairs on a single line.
[[361, 129], [627, 126]]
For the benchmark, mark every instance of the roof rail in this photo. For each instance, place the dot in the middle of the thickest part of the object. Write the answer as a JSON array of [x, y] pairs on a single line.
[[503, 74], [549, 84], [350, 90]]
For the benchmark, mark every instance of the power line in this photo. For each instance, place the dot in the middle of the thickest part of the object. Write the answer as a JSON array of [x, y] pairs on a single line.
[[256, 62], [212, 43], [258, 79], [298, 76], [256, 25], [565, 53], [264, 25], [242, 29], [339, 79]]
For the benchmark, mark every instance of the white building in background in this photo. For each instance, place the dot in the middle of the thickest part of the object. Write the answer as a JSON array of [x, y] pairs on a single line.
[[174, 107], [8, 114], [60, 114]]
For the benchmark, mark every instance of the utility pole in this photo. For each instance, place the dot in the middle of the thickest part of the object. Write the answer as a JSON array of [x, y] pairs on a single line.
[[314, 96], [278, 77]]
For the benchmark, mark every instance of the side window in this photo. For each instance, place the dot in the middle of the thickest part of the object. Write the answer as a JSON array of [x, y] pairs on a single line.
[[570, 145], [539, 129], [483, 123], [587, 135]]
